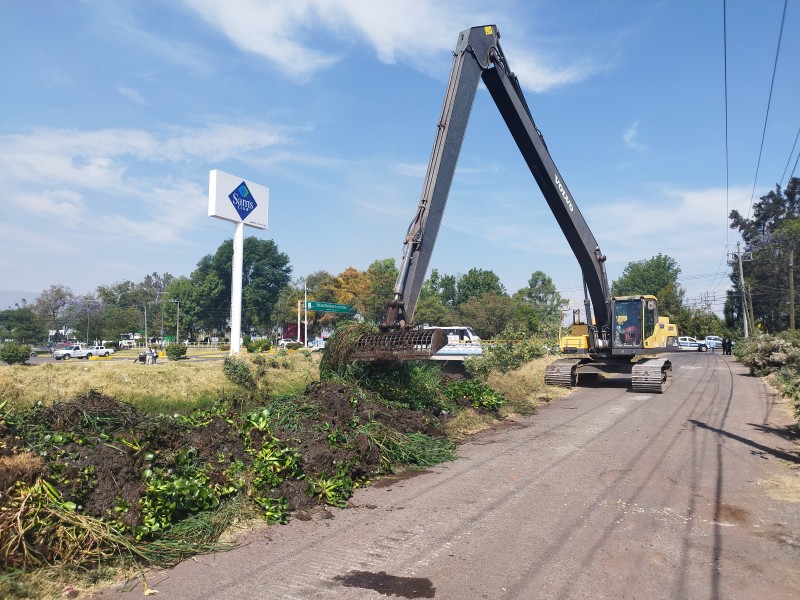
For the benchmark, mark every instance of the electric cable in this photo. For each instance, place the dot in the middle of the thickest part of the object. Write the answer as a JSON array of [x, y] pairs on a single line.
[[789, 160], [725, 69], [769, 102]]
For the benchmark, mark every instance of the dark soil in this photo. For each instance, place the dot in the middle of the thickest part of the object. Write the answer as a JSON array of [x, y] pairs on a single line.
[[106, 446]]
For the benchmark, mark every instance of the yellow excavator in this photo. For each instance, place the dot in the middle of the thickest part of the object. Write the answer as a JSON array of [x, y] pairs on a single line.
[[619, 333]]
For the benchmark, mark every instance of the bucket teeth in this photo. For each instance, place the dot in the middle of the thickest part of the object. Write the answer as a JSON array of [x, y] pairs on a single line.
[[416, 344]]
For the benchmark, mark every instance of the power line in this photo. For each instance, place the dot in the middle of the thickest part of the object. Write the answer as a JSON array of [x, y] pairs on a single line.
[[769, 102], [727, 169], [789, 160]]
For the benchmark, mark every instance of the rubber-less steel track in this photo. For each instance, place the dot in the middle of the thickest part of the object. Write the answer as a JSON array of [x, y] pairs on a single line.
[[651, 375], [562, 372]]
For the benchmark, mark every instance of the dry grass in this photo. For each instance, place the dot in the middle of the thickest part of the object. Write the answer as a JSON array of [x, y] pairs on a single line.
[[166, 386], [524, 388]]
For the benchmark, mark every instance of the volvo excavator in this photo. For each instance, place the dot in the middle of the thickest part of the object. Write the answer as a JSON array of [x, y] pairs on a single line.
[[619, 333]]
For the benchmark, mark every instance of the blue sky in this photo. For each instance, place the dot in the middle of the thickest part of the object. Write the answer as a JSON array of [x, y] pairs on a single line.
[[112, 114]]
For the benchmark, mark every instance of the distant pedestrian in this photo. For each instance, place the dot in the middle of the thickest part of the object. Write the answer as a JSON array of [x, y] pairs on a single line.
[[725, 345], [155, 354], [711, 345], [148, 356]]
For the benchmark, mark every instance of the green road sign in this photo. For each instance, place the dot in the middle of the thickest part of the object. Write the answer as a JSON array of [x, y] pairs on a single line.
[[329, 307]]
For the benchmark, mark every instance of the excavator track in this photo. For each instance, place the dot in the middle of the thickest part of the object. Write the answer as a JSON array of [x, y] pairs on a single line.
[[562, 372], [652, 375]]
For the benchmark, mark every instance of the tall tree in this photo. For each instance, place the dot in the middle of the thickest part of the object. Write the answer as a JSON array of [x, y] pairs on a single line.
[[657, 276], [382, 277], [770, 235], [52, 305], [26, 326], [476, 283], [442, 286], [488, 314], [543, 298], [265, 271]]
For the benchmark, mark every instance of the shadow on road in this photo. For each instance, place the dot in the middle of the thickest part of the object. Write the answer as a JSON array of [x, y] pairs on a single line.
[[790, 456]]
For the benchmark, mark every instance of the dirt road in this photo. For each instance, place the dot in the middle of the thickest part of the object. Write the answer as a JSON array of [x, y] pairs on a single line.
[[603, 494]]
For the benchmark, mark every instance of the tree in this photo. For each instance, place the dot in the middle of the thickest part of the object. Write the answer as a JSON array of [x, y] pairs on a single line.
[[432, 310], [26, 326], [52, 304], [657, 276], [442, 286], [265, 271], [488, 314], [647, 276], [543, 299], [770, 235], [477, 283], [382, 277]]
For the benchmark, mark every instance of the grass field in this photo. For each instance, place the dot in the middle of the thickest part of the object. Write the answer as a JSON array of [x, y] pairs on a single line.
[[164, 387]]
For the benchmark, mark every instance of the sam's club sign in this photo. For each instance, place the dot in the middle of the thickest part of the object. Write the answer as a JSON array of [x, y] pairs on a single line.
[[234, 199]]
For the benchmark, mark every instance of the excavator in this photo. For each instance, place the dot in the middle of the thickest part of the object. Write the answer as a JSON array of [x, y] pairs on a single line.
[[621, 335]]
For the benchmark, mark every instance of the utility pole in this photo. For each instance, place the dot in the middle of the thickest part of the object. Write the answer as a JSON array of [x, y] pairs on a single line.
[[744, 296], [177, 320], [791, 289]]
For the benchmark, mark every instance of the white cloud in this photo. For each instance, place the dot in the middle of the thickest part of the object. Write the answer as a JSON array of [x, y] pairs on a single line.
[[132, 94], [630, 137], [415, 32]]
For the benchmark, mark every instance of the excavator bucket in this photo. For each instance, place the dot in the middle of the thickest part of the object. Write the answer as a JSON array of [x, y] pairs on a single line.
[[417, 344]]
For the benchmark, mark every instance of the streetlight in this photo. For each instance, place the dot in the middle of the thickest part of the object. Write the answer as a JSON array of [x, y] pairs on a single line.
[[177, 319]]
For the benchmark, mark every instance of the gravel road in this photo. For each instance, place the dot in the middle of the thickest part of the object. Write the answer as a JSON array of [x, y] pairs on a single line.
[[603, 494]]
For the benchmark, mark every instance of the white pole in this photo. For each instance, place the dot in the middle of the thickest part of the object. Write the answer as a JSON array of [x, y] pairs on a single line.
[[298, 320], [305, 312], [236, 289]]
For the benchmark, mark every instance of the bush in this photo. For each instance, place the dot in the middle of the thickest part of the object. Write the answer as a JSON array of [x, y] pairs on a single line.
[[175, 351], [476, 392], [13, 353], [256, 346], [514, 349], [238, 371], [767, 354], [294, 345]]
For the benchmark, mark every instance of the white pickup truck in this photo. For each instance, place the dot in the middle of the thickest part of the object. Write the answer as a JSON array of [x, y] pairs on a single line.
[[78, 351], [100, 351], [67, 352]]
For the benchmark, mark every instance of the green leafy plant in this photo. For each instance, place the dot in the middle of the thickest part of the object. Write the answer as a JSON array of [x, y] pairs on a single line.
[[238, 371], [478, 393], [514, 348], [13, 353], [334, 490], [175, 351]]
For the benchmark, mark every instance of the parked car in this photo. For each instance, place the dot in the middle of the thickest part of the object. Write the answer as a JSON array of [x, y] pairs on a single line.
[[714, 340], [37, 350], [283, 341], [689, 343], [100, 351]]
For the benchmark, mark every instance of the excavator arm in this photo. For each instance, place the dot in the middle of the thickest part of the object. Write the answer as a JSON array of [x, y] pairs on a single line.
[[477, 56]]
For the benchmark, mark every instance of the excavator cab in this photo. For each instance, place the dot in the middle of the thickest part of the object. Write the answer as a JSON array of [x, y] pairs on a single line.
[[635, 319]]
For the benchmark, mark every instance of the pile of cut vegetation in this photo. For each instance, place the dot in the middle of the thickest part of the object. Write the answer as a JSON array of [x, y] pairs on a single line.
[[94, 480], [97, 483]]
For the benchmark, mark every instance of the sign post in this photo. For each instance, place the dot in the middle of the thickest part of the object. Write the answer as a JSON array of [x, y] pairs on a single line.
[[242, 202]]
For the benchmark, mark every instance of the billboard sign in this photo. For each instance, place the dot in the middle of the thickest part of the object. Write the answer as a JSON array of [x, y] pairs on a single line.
[[235, 199]]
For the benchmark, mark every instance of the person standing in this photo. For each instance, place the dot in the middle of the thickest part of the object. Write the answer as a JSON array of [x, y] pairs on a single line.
[[148, 356], [155, 354]]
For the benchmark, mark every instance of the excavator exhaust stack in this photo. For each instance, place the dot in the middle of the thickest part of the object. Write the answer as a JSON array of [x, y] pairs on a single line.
[[412, 344]]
